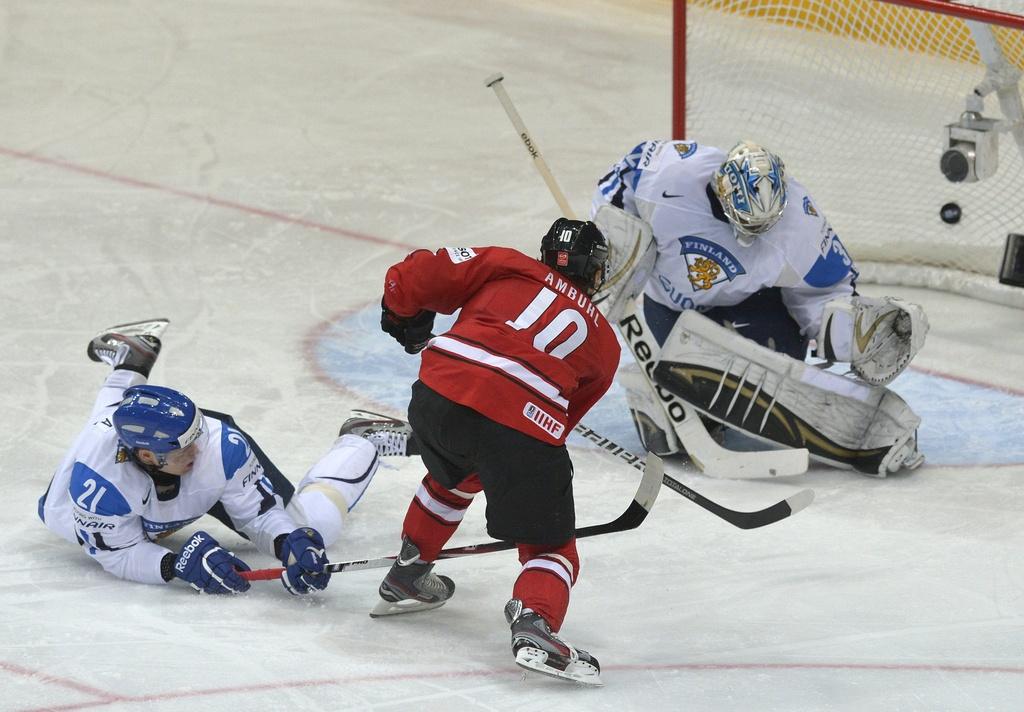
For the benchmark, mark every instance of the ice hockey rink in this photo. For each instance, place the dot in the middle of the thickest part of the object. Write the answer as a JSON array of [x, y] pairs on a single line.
[[249, 170]]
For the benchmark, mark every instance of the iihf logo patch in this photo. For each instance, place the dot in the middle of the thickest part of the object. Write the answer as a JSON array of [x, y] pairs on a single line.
[[708, 263], [545, 421], [809, 207]]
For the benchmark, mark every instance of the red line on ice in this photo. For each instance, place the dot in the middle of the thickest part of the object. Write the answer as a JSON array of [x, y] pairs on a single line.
[[109, 699], [969, 381], [208, 199], [58, 681]]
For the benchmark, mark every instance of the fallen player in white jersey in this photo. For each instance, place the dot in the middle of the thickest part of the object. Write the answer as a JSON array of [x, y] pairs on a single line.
[[150, 463]]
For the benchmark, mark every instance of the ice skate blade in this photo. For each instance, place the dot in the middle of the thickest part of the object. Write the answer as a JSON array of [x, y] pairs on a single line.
[[387, 608], [535, 660], [148, 327]]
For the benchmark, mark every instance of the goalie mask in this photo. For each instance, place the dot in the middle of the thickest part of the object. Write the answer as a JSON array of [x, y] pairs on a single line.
[[751, 185], [157, 419], [577, 250]]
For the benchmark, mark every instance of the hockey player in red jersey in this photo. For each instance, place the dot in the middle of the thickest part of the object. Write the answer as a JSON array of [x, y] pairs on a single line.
[[496, 397]]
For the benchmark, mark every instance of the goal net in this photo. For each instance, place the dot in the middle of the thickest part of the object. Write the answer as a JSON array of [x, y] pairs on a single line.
[[855, 95]]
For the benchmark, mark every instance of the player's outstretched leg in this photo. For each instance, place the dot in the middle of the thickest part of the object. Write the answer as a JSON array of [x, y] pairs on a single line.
[[411, 585], [334, 485], [538, 649], [390, 436]]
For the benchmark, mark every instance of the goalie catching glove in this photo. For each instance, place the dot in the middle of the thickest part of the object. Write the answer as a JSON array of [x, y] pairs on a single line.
[[878, 337], [412, 332]]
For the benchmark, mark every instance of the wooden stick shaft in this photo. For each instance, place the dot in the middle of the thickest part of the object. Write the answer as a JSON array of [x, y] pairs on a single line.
[[495, 83]]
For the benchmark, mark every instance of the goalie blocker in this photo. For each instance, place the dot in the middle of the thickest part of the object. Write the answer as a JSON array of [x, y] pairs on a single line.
[[773, 397]]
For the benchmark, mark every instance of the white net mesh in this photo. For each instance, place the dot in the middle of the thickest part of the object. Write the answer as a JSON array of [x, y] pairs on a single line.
[[854, 95]]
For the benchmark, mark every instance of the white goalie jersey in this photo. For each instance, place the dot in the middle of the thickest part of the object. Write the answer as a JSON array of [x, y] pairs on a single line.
[[700, 264], [662, 193]]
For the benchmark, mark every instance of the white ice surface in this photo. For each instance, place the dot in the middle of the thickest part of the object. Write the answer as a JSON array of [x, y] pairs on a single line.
[[249, 170]]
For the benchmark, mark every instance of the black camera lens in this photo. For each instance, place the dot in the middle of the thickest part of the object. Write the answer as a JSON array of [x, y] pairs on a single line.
[[956, 164]]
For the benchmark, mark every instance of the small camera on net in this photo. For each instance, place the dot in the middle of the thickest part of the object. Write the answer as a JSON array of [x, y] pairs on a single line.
[[970, 149]]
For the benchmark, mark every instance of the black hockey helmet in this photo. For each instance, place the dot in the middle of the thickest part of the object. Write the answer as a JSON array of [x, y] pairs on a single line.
[[578, 250]]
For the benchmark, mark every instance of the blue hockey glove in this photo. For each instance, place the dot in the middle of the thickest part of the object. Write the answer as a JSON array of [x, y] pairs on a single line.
[[302, 555], [208, 568], [412, 332]]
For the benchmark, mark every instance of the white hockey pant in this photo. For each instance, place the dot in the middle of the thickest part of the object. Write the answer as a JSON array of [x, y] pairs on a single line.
[[334, 485]]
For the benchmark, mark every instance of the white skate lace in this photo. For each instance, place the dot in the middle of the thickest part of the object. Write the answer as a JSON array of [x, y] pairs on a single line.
[[388, 442], [112, 353], [433, 585]]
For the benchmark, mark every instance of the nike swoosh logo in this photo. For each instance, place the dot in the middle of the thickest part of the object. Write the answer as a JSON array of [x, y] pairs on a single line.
[[862, 338], [666, 194], [145, 500]]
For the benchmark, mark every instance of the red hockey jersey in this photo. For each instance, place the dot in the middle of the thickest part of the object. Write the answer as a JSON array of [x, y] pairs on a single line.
[[529, 350]]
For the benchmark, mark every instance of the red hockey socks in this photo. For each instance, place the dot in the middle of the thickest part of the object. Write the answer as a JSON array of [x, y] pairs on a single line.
[[435, 513], [547, 577]]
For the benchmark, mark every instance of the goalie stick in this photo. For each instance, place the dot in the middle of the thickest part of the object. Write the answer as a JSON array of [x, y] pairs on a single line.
[[710, 458], [636, 512], [744, 520]]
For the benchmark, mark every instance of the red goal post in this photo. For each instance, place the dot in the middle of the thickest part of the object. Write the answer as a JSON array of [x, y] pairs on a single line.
[[857, 96]]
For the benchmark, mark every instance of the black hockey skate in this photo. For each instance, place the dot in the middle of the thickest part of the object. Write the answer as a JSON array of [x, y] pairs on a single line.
[[132, 346], [390, 436], [411, 585], [537, 649]]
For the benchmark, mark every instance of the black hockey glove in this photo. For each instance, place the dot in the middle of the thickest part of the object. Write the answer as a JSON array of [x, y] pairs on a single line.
[[412, 332]]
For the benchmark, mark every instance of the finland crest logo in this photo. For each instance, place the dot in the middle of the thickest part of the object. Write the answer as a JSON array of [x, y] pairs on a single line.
[[708, 263], [809, 207], [685, 149]]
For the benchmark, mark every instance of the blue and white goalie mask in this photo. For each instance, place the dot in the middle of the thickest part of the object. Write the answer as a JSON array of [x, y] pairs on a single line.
[[751, 185]]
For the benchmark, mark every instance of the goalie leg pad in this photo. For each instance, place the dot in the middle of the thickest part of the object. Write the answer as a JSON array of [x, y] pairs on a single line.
[[776, 398], [706, 454], [652, 424]]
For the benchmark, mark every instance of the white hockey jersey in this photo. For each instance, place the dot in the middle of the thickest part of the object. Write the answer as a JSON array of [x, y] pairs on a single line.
[[700, 264], [102, 500]]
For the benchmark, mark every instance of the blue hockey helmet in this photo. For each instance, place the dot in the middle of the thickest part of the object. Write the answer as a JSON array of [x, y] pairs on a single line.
[[158, 419], [751, 185]]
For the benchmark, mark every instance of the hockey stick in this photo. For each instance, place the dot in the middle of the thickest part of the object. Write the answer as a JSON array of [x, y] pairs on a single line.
[[636, 512], [744, 520], [495, 82], [710, 457]]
